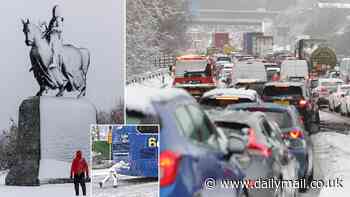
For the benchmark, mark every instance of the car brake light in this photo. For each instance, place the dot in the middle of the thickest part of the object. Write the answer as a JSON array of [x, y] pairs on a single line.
[[294, 134], [254, 145], [302, 103], [169, 163]]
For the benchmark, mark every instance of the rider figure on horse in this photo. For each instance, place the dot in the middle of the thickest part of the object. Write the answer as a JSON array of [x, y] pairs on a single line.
[[54, 34]]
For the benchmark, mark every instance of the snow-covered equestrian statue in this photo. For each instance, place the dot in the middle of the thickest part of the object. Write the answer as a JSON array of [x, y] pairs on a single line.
[[56, 65]]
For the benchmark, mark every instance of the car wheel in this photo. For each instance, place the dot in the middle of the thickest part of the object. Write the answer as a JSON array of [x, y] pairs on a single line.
[[329, 107], [337, 109]]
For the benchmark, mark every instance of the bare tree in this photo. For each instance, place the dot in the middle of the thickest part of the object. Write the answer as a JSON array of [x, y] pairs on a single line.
[[8, 146], [153, 27]]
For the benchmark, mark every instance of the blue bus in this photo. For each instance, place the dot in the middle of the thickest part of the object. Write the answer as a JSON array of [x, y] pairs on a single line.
[[138, 146]]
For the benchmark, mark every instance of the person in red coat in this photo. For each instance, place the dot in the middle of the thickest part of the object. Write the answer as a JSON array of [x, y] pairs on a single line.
[[79, 170]]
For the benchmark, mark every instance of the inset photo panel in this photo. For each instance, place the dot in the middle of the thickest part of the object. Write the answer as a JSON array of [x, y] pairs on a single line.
[[61, 72], [125, 160]]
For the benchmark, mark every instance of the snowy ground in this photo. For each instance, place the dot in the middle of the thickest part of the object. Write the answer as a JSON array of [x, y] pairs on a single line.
[[128, 186], [332, 155], [52, 190]]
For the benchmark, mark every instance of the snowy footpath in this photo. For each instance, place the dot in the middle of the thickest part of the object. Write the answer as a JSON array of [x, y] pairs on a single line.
[[332, 155], [128, 186], [51, 190]]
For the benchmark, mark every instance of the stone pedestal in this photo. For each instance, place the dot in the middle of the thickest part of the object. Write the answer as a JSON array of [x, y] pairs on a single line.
[[50, 130]]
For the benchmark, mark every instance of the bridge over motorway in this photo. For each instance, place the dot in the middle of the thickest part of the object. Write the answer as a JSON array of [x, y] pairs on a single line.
[[243, 20], [221, 15]]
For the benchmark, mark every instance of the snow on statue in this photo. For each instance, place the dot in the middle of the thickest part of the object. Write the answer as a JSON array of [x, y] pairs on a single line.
[[55, 65]]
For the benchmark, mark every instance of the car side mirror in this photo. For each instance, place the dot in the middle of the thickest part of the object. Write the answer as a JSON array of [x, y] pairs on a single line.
[[315, 94]]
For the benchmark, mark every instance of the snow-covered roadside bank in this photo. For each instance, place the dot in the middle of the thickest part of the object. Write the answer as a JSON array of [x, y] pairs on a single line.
[[332, 153], [52, 190], [157, 82]]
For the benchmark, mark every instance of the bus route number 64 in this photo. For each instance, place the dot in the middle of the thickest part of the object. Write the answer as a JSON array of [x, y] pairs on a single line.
[[152, 142]]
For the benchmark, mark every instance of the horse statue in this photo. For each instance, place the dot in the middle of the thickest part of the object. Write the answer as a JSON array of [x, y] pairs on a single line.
[[74, 61]]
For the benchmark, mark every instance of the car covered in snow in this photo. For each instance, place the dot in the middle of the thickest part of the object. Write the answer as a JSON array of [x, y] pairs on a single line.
[[335, 97], [324, 88], [251, 84], [293, 132], [345, 104], [266, 156], [297, 94], [222, 97], [192, 150]]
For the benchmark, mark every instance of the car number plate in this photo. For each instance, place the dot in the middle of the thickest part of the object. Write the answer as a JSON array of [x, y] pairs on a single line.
[[195, 92], [281, 102]]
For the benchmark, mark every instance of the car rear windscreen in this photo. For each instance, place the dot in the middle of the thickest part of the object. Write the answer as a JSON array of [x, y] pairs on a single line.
[[282, 91], [184, 67], [257, 86], [216, 102], [283, 119], [229, 127], [226, 59]]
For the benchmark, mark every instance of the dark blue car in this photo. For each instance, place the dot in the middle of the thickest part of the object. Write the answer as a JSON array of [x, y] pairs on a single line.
[[192, 150], [293, 132]]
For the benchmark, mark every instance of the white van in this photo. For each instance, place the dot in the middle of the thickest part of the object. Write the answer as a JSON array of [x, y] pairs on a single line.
[[249, 70], [294, 69], [344, 69]]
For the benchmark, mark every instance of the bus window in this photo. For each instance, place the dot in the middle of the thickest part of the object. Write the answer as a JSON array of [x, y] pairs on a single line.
[[148, 129]]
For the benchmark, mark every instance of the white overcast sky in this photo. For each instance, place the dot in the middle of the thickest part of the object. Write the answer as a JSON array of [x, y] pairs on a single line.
[[96, 25]]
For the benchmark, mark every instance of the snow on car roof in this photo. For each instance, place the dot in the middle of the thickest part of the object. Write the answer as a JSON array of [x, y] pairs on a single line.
[[248, 80], [231, 92], [330, 80], [238, 116], [284, 83], [141, 98], [294, 62], [223, 62], [273, 68]]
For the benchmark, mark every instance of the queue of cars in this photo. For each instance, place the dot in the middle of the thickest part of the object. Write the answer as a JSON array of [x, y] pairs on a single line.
[[228, 133], [332, 93]]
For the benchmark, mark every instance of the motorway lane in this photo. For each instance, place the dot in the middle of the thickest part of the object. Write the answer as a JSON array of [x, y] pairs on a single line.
[[328, 150], [128, 186]]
